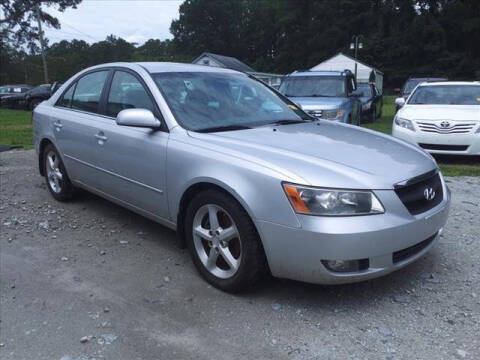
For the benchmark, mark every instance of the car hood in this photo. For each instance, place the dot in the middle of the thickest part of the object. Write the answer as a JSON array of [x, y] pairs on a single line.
[[441, 112], [318, 103], [323, 153]]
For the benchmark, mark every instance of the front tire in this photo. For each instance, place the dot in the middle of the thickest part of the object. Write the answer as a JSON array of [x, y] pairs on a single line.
[[56, 176], [33, 104], [223, 242]]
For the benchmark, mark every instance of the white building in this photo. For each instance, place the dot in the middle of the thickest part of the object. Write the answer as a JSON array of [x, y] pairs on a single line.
[[229, 62], [365, 73]]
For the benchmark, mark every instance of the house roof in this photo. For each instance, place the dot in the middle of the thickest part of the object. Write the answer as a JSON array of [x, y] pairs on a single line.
[[228, 61], [349, 57]]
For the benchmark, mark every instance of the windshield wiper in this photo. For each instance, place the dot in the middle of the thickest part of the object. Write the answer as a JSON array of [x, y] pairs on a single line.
[[223, 128], [288, 122]]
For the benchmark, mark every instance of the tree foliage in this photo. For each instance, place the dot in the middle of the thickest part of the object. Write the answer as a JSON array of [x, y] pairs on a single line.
[[401, 37], [19, 19]]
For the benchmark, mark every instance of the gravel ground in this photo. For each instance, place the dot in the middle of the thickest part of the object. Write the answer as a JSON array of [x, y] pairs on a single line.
[[90, 280]]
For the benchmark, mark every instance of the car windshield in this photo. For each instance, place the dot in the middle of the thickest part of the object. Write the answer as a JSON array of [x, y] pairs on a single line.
[[210, 101], [313, 86], [410, 85], [446, 95], [365, 89]]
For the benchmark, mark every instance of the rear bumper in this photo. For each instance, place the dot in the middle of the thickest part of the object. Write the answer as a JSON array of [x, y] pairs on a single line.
[[389, 242], [469, 144]]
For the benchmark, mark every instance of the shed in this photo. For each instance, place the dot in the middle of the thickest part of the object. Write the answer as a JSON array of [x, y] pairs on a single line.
[[365, 73]]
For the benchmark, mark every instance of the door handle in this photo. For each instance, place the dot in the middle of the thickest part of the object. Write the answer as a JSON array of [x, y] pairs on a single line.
[[101, 137]]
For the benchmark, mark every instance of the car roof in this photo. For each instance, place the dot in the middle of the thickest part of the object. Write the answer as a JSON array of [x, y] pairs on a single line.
[[16, 85], [318, 73], [439, 83], [158, 67], [427, 79]]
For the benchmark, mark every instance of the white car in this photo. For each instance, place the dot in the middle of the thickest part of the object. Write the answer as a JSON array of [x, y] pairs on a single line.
[[441, 118]]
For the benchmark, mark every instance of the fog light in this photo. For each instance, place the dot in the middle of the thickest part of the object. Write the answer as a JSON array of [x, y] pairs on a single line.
[[346, 265]]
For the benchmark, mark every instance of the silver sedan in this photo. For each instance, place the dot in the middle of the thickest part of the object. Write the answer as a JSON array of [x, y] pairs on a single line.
[[250, 182]]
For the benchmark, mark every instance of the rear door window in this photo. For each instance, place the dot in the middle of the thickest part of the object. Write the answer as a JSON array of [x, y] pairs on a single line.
[[127, 92], [88, 92]]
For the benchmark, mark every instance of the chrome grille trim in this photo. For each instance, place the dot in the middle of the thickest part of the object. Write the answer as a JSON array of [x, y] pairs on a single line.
[[456, 128], [315, 113]]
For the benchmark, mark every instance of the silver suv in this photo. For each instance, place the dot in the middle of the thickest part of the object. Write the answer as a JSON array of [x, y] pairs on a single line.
[[329, 95], [250, 182]]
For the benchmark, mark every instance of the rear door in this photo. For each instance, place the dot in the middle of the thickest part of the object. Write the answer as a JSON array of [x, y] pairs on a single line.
[[131, 159], [75, 125]]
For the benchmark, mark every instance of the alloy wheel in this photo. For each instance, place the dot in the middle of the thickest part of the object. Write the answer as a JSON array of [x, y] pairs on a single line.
[[217, 241], [54, 174]]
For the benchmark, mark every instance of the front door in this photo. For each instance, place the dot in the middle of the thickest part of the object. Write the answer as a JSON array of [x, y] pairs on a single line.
[[131, 159]]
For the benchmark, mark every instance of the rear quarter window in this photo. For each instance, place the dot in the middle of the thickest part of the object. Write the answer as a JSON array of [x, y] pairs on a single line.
[[66, 99]]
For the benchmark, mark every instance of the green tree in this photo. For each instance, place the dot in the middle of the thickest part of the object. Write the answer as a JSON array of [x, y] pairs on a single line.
[[19, 18]]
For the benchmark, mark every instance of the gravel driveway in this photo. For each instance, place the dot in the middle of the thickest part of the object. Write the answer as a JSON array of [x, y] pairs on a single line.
[[90, 280]]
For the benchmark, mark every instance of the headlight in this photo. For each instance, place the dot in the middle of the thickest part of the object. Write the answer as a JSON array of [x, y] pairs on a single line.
[[332, 114], [405, 123], [332, 202], [366, 106]]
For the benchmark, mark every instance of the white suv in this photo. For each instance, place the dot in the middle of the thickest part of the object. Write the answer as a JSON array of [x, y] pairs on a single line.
[[441, 117]]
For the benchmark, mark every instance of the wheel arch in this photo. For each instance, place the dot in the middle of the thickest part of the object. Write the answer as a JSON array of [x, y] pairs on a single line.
[[195, 188], [41, 149]]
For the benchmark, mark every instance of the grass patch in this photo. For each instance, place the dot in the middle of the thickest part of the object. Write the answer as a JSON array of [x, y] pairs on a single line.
[[460, 170], [16, 128], [451, 165]]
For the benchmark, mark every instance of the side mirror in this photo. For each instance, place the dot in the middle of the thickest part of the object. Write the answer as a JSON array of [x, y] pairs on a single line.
[[400, 101], [137, 118]]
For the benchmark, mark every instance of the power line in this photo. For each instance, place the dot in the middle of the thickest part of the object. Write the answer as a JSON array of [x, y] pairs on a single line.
[[81, 32]]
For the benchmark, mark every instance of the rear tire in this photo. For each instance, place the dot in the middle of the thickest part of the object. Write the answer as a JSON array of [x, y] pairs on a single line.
[[56, 176], [33, 104], [223, 242]]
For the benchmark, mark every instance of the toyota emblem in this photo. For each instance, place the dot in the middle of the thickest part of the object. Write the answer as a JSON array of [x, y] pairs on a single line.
[[445, 124], [429, 194]]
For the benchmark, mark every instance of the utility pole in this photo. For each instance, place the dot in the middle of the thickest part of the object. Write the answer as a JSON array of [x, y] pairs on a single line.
[[40, 33], [356, 44]]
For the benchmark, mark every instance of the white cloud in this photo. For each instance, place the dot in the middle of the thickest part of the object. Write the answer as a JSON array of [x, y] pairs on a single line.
[[134, 21]]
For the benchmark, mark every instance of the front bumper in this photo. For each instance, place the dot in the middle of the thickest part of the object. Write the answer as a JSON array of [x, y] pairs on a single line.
[[297, 253], [448, 141]]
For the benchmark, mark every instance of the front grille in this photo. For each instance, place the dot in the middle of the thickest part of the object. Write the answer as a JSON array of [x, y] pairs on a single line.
[[417, 196], [315, 113], [456, 128], [444, 147], [412, 250]]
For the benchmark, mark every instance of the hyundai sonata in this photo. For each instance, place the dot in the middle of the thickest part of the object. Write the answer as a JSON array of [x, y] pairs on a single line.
[[250, 182]]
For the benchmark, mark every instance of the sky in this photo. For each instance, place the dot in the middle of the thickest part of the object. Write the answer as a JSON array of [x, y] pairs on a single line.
[[133, 20]]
